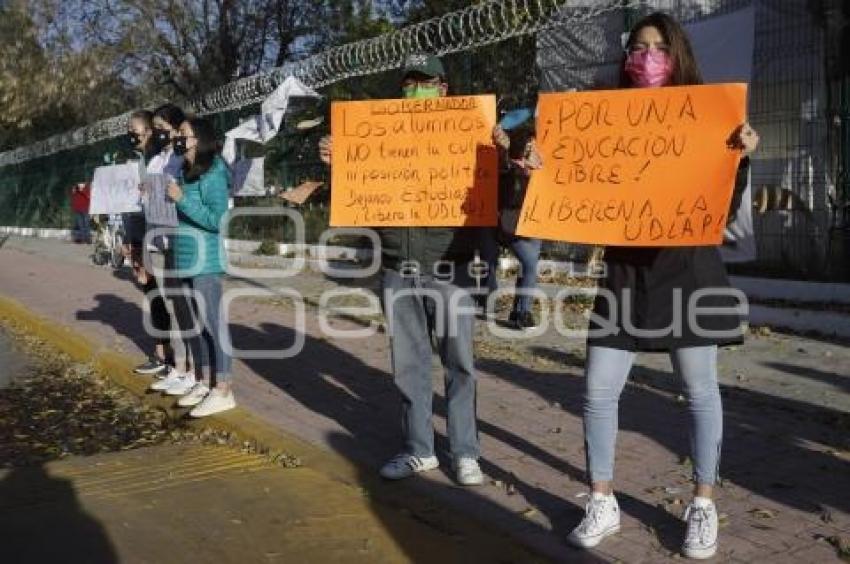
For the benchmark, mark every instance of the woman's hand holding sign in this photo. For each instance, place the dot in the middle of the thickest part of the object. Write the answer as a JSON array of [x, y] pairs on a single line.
[[175, 192]]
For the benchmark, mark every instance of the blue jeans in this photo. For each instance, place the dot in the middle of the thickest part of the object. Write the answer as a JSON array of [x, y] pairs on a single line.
[[489, 249], [81, 226], [207, 348], [606, 372], [416, 306], [527, 251]]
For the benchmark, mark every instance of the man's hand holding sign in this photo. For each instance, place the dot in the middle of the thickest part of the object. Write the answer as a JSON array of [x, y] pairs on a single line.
[[638, 167]]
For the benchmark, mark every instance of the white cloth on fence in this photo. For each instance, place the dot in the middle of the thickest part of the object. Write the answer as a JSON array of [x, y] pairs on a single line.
[[248, 174], [723, 46], [115, 189], [249, 177], [264, 126]]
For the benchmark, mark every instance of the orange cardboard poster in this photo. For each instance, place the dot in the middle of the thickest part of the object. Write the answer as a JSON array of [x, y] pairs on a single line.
[[639, 167], [414, 162]]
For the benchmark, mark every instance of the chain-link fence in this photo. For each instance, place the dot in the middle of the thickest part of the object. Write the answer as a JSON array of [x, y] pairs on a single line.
[[799, 102]]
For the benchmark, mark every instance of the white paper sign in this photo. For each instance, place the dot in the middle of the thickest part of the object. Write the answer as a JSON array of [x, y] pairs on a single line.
[[249, 177], [115, 189], [159, 209]]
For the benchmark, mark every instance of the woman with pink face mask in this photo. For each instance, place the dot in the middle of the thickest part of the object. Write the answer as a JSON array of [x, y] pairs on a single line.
[[651, 288]]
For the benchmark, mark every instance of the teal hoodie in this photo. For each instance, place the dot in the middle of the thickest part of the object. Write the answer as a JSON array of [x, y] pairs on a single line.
[[204, 203]]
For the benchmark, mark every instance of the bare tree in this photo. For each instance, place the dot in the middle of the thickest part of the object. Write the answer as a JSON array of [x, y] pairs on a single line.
[[47, 84], [192, 46]]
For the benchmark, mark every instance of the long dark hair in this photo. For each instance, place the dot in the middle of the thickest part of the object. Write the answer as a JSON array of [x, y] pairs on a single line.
[[170, 114], [205, 151], [685, 69]]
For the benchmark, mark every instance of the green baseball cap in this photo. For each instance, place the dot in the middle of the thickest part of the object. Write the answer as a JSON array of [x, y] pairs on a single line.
[[425, 64]]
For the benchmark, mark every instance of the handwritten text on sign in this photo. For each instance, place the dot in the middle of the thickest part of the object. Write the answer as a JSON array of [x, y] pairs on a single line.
[[643, 167], [115, 189], [426, 162]]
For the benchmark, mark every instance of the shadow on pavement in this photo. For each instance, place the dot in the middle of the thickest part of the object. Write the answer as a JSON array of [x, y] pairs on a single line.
[[41, 520]]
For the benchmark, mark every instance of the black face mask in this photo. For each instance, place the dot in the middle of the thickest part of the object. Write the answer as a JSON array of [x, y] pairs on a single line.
[[161, 137], [180, 145], [133, 139]]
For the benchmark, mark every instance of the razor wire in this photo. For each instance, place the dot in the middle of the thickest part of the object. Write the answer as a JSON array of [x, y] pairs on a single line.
[[476, 26]]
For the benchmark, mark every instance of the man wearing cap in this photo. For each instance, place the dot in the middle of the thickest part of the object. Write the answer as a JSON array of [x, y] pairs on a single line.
[[425, 289]]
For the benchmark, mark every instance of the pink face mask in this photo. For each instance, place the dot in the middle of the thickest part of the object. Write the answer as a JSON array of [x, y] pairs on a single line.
[[649, 67]]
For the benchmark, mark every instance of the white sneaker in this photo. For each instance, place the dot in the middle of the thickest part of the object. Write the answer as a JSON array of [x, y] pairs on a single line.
[[198, 392], [183, 385], [170, 379], [701, 535], [601, 519], [468, 472], [406, 465], [215, 402]]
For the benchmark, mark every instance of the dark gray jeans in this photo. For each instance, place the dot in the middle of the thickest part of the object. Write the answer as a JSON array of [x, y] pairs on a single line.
[[415, 307]]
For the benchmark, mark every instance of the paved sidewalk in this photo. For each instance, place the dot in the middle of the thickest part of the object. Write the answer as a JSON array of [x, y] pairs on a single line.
[[193, 503], [787, 402]]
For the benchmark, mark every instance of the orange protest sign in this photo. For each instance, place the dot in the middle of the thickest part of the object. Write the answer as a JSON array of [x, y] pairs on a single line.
[[642, 167], [414, 162]]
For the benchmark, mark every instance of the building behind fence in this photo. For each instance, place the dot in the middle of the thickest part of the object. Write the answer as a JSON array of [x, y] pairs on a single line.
[[799, 103]]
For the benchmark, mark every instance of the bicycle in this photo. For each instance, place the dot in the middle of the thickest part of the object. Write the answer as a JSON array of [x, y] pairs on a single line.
[[108, 242]]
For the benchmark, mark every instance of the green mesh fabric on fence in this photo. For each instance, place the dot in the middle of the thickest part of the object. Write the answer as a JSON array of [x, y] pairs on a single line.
[[36, 193]]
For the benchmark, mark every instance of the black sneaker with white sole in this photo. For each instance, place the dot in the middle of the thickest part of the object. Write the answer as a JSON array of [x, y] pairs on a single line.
[[153, 367], [525, 320]]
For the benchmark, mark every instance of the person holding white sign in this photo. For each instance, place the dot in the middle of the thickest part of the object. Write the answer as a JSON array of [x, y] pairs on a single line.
[[645, 290], [160, 211], [144, 147]]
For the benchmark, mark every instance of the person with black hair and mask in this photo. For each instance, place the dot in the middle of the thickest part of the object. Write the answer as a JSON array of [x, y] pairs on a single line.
[[201, 196], [166, 122], [643, 292], [143, 147]]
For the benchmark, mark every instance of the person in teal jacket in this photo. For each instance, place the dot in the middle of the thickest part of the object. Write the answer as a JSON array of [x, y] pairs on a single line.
[[201, 198]]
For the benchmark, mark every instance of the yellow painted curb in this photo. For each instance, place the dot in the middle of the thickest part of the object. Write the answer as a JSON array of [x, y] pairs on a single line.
[[118, 368], [247, 427]]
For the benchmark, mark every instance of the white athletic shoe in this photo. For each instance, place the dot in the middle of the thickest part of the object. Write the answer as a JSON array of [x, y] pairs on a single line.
[[601, 519], [406, 465], [195, 396], [215, 402], [170, 379], [701, 535], [468, 472], [183, 385]]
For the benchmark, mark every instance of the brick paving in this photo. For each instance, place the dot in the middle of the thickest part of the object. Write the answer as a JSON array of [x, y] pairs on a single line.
[[786, 457]]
